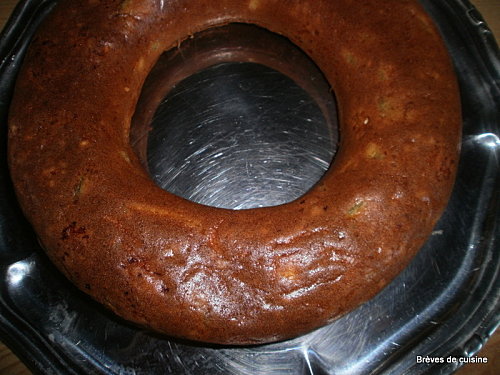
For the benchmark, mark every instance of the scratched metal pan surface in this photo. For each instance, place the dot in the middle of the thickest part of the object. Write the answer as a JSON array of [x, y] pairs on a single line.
[[446, 303]]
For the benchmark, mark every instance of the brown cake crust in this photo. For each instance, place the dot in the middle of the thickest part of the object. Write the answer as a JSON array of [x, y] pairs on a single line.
[[217, 275]]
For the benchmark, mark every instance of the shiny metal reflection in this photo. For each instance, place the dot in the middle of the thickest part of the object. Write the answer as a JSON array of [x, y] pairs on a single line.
[[236, 117]]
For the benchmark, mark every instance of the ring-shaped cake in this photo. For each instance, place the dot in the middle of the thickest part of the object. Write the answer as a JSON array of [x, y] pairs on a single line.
[[219, 275]]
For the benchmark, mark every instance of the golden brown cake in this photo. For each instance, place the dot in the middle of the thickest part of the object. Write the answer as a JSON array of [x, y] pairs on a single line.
[[219, 275]]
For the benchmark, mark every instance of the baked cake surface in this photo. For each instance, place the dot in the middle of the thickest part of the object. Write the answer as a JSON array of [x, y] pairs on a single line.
[[218, 275]]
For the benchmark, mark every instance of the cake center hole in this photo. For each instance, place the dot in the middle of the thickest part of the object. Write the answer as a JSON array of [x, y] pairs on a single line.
[[233, 124]]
